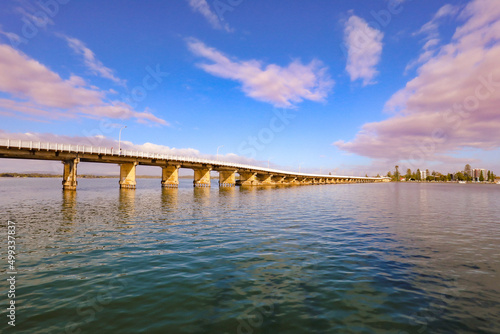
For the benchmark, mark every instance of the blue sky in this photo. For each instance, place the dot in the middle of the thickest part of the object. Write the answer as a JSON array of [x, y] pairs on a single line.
[[341, 86]]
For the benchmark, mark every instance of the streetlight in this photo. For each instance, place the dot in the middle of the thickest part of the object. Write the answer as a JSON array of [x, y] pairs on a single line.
[[218, 151], [120, 140], [299, 166]]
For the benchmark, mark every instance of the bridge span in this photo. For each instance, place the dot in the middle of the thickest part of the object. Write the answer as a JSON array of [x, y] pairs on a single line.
[[70, 155]]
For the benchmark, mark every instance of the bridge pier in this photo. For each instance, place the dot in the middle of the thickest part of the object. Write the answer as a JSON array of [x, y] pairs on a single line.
[[170, 176], [265, 179], [69, 174], [305, 180], [279, 179], [227, 178], [247, 178], [202, 177], [127, 175]]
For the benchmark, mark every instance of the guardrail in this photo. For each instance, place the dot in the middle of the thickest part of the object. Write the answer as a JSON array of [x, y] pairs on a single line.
[[57, 147]]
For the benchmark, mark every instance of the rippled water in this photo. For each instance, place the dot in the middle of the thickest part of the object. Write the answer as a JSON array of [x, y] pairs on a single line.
[[363, 258]]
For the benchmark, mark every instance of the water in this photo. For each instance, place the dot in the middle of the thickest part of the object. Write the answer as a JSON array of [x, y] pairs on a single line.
[[362, 258]]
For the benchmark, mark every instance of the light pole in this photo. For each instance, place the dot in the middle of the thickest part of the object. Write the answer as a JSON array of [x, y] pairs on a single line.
[[299, 166], [218, 151], [268, 161], [120, 140]]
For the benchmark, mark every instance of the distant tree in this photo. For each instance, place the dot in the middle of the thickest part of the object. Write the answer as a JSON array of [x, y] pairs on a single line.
[[408, 175], [492, 176], [489, 176], [449, 177], [427, 173], [468, 170], [460, 176], [418, 177], [389, 174], [397, 173], [481, 177], [378, 175], [429, 178], [366, 175]]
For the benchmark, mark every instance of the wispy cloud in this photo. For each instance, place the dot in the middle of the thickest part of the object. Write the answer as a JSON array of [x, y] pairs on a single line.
[[36, 90], [453, 102], [364, 49], [92, 63], [431, 27], [31, 12], [432, 38], [202, 7], [13, 38], [280, 86]]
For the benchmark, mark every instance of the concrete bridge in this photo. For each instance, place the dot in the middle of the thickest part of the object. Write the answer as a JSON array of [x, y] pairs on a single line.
[[71, 155]]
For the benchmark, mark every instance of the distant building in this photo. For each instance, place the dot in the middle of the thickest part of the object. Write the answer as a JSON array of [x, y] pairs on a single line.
[[423, 174], [476, 174]]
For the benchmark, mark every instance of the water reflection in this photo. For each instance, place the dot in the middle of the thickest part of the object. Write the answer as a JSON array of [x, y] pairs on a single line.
[[169, 199], [126, 203], [201, 196], [68, 208], [227, 193], [248, 189]]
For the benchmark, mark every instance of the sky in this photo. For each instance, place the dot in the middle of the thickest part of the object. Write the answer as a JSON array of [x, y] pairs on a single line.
[[347, 87]]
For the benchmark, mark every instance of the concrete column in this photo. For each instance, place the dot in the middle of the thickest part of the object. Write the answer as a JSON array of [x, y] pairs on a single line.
[[170, 176], [127, 175], [202, 177], [290, 180], [279, 179], [69, 174], [265, 179], [247, 179], [227, 178], [305, 180]]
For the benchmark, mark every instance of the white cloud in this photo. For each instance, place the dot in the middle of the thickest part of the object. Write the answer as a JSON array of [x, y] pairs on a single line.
[[453, 102], [34, 89], [202, 7], [280, 86], [364, 49], [92, 63]]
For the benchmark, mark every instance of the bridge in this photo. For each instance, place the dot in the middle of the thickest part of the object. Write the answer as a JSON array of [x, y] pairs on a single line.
[[71, 155]]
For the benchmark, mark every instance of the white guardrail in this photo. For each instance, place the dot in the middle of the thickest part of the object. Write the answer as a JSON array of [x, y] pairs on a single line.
[[57, 147]]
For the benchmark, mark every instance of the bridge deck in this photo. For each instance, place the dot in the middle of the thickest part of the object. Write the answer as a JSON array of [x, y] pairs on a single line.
[[19, 149]]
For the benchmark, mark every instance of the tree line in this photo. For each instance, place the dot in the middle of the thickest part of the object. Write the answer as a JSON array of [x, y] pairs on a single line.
[[465, 175]]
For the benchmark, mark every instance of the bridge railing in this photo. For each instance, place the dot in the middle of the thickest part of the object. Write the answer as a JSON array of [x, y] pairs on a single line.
[[84, 149]]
